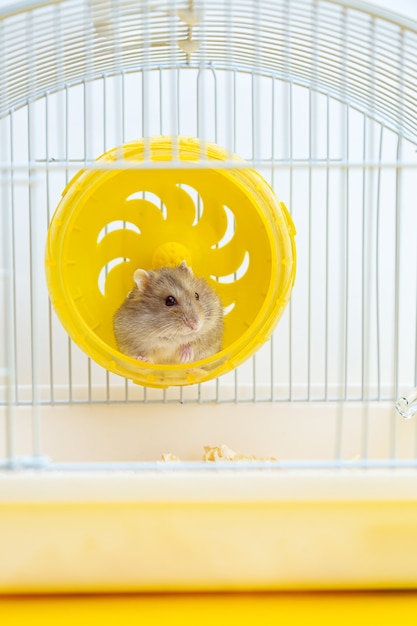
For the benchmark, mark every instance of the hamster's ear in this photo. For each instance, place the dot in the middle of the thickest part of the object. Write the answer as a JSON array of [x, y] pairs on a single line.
[[141, 278], [187, 267]]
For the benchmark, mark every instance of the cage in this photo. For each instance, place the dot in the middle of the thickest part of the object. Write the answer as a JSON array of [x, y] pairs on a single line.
[[318, 98]]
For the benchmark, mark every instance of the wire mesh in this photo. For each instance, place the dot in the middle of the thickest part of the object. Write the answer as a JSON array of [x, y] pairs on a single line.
[[319, 95]]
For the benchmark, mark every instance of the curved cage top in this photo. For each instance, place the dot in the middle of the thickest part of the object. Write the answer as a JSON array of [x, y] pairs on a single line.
[[351, 51]]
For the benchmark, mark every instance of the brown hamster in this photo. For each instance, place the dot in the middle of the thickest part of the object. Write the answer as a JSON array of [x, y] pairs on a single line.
[[170, 316]]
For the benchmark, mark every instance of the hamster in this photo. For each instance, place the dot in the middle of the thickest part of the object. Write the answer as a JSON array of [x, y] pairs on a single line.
[[170, 316]]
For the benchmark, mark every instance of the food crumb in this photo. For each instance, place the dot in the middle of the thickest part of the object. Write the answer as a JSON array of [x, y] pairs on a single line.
[[220, 453], [224, 453], [170, 457]]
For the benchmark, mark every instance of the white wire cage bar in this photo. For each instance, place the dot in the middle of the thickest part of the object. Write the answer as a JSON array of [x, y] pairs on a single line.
[[345, 49], [319, 95]]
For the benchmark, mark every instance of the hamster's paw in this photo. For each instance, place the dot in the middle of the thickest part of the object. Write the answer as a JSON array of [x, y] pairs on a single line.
[[140, 357], [186, 354]]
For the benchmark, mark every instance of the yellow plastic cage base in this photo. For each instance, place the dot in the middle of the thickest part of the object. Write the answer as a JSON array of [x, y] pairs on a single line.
[[226, 223]]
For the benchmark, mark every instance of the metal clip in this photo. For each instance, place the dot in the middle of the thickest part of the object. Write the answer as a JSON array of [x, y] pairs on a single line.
[[407, 405]]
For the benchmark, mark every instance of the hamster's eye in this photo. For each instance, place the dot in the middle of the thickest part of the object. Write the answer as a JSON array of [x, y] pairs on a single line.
[[197, 297], [170, 301]]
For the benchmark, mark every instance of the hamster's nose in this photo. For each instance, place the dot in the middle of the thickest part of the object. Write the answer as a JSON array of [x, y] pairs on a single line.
[[193, 323]]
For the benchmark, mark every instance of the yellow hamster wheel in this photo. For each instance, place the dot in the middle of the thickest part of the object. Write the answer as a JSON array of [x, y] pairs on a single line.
[[226, 223]]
